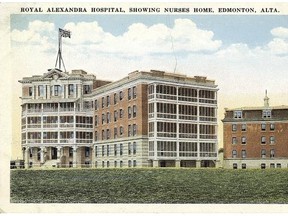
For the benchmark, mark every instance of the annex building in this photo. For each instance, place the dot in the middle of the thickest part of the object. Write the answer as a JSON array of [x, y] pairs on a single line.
[[256, 137], [146, 119]]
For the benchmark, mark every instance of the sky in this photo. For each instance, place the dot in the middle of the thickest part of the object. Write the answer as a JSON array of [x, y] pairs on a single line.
[[245, 55]]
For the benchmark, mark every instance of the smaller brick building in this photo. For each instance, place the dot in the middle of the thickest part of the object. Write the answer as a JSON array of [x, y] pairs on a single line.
[[256, 137]]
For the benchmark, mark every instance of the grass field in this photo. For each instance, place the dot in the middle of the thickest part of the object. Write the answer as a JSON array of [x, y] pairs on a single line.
[[149, 186]]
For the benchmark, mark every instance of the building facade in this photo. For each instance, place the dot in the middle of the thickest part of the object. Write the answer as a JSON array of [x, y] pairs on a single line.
[[256, 137], [147, 119]]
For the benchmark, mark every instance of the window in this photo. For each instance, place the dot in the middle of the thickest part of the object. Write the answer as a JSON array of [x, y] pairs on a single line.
[[87, 151], [134, 129], [243, 140], [108, 164], [121, 163], [30, 91], [115, 98], [115, 115], [57, 90], [86, 89], [244, 166], [134, 163], [129, 130], [96, 151], [243, 153], [121, 130], [272, 140], [129, 112], [244, 127], [129, 148], [108, 101], [263, 140], [263, 126], [272, 126], [108, 150], [278, 165], [115, 149], [108, 117], [103, 134], [115, 163], [134, 92], [115, 133], [107, 134], [96, 104], [272, 153], [234, 140], [134, 111], [96, 120], [234, 127], [103, 102], [103, 164], [121, 113], [272, 165], [266, 114], [41, 90], [234, 165], [134, 148], [129, 163], [70, 152], [103, 118], [129, 94], [237, 114], [121, 149], [103, 151], [121, 95], [263, 166], [234, 154], [70, 89], [263, 153]]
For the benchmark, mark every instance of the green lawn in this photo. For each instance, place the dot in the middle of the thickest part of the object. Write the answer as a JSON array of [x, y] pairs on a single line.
[[149, 186]]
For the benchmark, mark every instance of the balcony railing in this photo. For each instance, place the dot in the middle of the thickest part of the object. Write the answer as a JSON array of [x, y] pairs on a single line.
[[208, 136], [208, 154]]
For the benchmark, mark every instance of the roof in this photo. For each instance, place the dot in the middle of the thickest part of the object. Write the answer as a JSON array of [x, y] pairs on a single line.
[[258, 108]]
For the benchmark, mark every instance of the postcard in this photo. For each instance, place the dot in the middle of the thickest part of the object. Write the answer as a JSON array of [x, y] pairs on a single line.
[[144, 107]]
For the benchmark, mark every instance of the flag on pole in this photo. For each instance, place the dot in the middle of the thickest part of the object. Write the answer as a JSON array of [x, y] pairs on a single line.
[[64, 33]]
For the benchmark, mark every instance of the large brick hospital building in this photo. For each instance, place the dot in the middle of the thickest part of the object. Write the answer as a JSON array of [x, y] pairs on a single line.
[[146, 119]]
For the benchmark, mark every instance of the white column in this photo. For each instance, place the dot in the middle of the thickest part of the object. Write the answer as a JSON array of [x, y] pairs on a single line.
[[59, 155], [177, 163], [48, 91], [42, 155], [75, 156], [93, 156], [198, 163], [26, 157], [155, 163], [198, 127]]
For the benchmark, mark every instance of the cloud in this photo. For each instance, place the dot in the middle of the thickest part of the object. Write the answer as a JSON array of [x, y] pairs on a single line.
[[280, 32], [278, 46], [140, 39]]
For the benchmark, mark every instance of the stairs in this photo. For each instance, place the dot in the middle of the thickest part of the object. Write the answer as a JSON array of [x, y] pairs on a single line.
[[50, 164]]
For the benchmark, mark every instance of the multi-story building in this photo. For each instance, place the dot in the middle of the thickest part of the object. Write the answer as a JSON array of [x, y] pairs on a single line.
[[145, 119], [256, 137]]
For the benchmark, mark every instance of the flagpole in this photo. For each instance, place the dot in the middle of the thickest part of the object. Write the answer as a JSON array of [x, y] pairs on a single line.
[[61, 33]]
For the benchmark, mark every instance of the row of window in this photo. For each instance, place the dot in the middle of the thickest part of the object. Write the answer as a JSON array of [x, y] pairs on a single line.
[[244, 154], [106, 118], [106, 101], [182, 91], [263, 165], [117, 149], [106, 134], [107, 164], [57, 90], [263, 140], [263, 127], [238, 114]]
